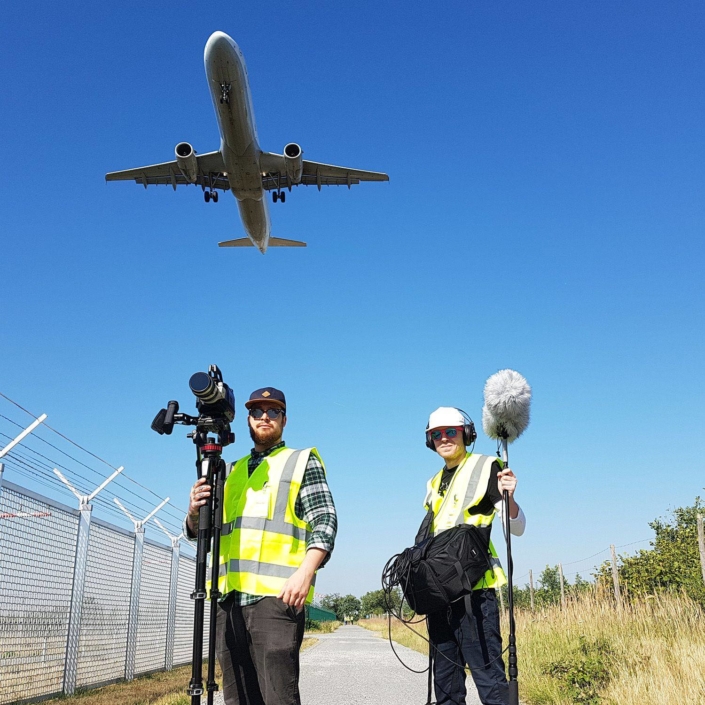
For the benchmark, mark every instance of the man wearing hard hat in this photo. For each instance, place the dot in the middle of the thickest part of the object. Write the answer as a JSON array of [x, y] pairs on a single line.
[[468, 490]]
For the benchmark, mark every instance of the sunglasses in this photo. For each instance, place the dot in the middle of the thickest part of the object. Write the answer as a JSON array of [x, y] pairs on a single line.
[[449, 432], [271, 413]]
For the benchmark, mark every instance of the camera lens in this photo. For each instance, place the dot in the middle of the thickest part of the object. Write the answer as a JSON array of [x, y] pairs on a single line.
[[204, 387]]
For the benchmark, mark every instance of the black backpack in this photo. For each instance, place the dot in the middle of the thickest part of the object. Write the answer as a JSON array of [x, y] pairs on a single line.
[[441, 569]]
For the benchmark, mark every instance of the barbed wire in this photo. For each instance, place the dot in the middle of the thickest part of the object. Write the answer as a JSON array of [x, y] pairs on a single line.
[[31, 463], [123, 475]]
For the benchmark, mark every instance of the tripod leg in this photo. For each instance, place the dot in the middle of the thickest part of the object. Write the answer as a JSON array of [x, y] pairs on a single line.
[[212, 686], [195, 689]]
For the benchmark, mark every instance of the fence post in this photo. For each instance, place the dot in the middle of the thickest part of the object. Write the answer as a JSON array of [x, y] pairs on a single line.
[[560, 575], [615, 578], [134, 604], [501, 599], [79, 579], [701, 544], [531, 588], [133, 616], [173, 586]]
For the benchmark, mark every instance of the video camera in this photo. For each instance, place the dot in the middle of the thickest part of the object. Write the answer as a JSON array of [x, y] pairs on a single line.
[[215, 403]]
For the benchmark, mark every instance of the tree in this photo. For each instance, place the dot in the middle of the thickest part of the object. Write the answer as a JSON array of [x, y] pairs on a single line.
[[375, 602], [350, 608], [672, 562], [332, 602]]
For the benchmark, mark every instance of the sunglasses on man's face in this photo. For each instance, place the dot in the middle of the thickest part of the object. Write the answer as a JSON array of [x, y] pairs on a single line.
[[271, 413], [449, 433]]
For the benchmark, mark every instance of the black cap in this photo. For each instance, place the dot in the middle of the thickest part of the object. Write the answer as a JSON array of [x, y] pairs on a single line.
[[266, 394]]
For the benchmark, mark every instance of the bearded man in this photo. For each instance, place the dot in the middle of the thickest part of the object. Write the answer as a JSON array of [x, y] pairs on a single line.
[[279, 528]]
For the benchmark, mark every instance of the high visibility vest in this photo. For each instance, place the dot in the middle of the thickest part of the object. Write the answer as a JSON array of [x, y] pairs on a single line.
[[466, 489], [263, 542]]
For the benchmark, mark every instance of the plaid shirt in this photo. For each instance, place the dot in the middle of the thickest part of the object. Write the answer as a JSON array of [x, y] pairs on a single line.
[[314, 505]]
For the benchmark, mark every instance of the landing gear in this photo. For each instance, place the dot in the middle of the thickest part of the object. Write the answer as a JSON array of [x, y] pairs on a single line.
[[214, 196], [279, 195], [210, 196], [207, 196], [225, 93]]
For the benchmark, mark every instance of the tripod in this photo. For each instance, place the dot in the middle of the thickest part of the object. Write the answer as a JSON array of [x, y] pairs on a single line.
[[209, 464]]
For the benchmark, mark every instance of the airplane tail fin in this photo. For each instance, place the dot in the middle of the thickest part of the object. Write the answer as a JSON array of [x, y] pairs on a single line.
[[281, 242]]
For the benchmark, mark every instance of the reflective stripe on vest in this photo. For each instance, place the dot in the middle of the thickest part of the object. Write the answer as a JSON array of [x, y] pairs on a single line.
[[263, 541], [469, 481]]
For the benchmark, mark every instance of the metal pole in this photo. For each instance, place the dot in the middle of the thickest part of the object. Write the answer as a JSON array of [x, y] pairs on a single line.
[[24, 433], [560, 575], [701, 544], [173, 586], [79, 580], [531, 588], [615, 578], [171, 615], [512, 668], [133, 615]]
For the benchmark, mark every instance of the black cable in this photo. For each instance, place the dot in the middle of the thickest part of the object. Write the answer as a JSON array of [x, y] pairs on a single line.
[[395, 574]]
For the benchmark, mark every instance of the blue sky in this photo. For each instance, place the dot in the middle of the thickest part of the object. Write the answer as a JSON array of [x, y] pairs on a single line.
[[545, 212]]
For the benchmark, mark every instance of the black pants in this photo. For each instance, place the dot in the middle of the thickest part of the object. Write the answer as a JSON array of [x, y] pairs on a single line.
[[468, 633], [258, 651]]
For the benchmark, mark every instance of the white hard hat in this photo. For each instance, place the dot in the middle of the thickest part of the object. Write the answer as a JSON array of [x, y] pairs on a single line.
[[445, 416]]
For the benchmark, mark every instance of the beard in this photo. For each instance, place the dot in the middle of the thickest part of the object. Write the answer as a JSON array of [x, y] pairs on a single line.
[[266, 438]]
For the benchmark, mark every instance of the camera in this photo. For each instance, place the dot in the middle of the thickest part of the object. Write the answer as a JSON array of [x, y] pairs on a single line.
[[215, 403]]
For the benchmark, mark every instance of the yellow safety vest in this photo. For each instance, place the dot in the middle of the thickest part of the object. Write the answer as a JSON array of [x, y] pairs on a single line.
[[466, 489], [263, 541]]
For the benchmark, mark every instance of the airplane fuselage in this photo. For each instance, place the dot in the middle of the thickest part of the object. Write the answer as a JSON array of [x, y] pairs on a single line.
[[239, 146]]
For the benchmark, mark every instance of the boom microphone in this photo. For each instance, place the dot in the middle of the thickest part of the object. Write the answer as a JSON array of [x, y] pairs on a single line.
[[505, 414], [505, 417]]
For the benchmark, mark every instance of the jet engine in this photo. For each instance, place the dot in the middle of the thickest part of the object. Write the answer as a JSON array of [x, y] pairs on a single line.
[[294, 162], [186, 159]]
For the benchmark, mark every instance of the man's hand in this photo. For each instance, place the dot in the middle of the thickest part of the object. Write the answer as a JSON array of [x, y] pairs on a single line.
[[199, 494], [295, 590], [507, 480]]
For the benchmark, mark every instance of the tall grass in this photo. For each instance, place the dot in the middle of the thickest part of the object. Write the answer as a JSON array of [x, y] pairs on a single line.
[[651, 652]]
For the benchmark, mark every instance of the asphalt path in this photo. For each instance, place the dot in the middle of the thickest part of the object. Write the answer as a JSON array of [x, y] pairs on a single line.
[[355, 666]]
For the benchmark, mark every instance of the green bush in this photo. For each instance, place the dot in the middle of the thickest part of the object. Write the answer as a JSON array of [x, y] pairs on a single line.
[[584, 671]]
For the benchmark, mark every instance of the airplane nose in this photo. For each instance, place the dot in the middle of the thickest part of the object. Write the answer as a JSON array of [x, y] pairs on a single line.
[[219, 43]]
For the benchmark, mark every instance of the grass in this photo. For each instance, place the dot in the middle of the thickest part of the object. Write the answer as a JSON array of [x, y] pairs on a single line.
[[652, 652], [162, 688], [400, 633], [322, 627]]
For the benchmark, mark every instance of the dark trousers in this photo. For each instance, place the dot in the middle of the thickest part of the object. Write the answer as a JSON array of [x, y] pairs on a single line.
[[468, 633], [258, 651]]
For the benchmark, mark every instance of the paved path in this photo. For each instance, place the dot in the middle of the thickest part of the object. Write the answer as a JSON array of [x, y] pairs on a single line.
[[354, 666]]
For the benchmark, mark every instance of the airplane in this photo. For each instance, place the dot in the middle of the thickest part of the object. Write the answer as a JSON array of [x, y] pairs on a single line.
[[240, 166]]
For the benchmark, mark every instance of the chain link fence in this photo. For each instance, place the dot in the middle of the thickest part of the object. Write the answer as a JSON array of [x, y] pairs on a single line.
[[66, 609]]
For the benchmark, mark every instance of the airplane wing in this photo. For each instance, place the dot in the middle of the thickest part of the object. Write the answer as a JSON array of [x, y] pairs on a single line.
[[210, 173], [314, 174]]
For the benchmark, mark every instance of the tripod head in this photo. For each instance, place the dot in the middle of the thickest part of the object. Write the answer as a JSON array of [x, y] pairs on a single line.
[[215, 403]]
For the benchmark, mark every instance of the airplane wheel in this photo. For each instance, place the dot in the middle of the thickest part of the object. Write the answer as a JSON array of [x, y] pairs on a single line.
[[282, 197], [207, 196], [275, 196], [214, 196]]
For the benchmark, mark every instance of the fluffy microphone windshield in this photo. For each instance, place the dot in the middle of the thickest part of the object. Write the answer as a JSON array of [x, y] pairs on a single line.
[[507, 405]]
